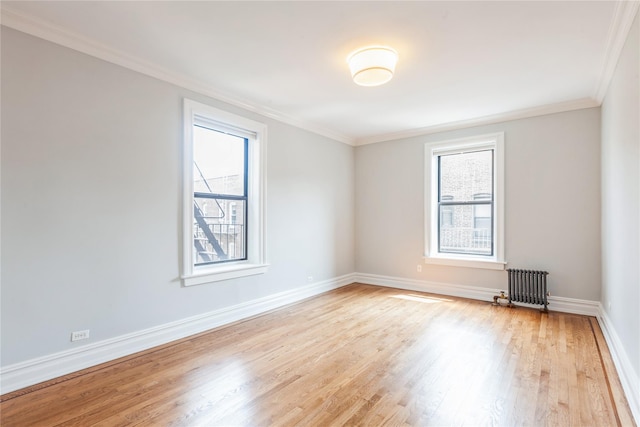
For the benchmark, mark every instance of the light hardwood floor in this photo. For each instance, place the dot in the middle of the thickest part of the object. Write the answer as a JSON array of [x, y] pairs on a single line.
[[359, 355]]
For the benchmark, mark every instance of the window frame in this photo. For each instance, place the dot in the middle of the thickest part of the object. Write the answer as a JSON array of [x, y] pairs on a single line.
[[474, 202], [195, 113], [231, 199], [433, 151]]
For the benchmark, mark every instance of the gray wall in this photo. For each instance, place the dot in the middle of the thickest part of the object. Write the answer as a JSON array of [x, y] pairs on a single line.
[[552, 206], [91, 203], [621, 199]]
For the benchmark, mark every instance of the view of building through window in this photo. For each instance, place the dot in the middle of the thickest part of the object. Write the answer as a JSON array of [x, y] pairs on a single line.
[[465, 202], [220, 196]]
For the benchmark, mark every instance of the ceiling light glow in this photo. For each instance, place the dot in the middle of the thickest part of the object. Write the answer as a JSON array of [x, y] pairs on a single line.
[[373, 65]]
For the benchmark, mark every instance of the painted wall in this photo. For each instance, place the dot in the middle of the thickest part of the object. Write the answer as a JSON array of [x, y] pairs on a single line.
[[91, 203], [621, 200], [552, 206]]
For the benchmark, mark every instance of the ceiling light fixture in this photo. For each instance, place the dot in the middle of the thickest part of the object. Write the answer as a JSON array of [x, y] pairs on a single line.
[[373, 65]]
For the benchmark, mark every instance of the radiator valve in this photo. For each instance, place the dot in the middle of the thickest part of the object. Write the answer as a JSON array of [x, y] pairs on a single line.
[[501, 299]]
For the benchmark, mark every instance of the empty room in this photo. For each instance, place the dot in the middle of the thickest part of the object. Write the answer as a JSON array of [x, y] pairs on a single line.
[[320, 213]]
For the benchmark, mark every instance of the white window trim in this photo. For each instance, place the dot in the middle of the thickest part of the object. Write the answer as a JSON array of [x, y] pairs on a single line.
[[432, 150], [256, 206]]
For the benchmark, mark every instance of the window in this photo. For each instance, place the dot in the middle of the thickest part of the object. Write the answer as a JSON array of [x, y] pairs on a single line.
[[464, 219], [223, 195], [219, 178]]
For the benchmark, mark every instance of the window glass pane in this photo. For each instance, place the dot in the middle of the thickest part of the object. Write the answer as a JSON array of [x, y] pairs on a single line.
[[464, 230], [482, 211], [463, 176], [218, 230], [219, 162]]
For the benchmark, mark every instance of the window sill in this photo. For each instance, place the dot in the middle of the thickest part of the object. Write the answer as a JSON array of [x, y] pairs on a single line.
[[466, 262], [225, 272]]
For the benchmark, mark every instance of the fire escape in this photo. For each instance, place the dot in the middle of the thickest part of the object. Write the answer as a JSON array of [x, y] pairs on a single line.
[[202, 231]]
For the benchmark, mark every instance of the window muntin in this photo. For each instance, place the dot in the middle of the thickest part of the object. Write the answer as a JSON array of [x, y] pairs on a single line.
[[224, 223], [464, 224]]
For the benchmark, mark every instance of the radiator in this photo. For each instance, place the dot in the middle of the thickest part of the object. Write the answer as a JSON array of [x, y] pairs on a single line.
[[528, 286]]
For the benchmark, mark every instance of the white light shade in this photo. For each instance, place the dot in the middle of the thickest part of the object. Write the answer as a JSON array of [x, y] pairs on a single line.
[[372, 66]]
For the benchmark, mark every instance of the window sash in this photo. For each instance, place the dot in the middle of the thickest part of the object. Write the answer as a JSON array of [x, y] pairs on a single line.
[[212, 126], [473, 235], [223, 228]]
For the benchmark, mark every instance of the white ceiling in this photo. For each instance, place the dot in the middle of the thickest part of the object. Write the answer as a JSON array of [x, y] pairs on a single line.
[[460, 62]]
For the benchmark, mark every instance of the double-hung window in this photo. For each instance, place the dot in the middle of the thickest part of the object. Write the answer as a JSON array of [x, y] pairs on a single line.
[[223, 195], [464, 214]]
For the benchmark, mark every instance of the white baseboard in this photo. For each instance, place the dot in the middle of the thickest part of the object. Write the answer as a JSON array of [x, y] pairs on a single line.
[[628, 377], [34, 371], [565, 305], [44, 368]]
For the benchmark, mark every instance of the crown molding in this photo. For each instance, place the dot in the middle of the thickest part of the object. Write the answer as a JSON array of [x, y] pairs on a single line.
[[486, 120], [58, 35], [623, 16]]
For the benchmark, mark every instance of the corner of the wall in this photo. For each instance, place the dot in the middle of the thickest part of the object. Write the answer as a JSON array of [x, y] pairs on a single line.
[[628, 377]]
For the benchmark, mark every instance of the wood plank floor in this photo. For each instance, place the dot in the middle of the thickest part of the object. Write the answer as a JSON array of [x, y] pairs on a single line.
[[359, 355]]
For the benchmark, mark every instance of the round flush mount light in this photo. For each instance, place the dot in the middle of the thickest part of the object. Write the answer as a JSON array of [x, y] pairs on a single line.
[[373, 65]]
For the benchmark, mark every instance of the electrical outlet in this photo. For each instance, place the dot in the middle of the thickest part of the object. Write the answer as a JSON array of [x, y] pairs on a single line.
[[419, 268], [309, 279], [80, 335]]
